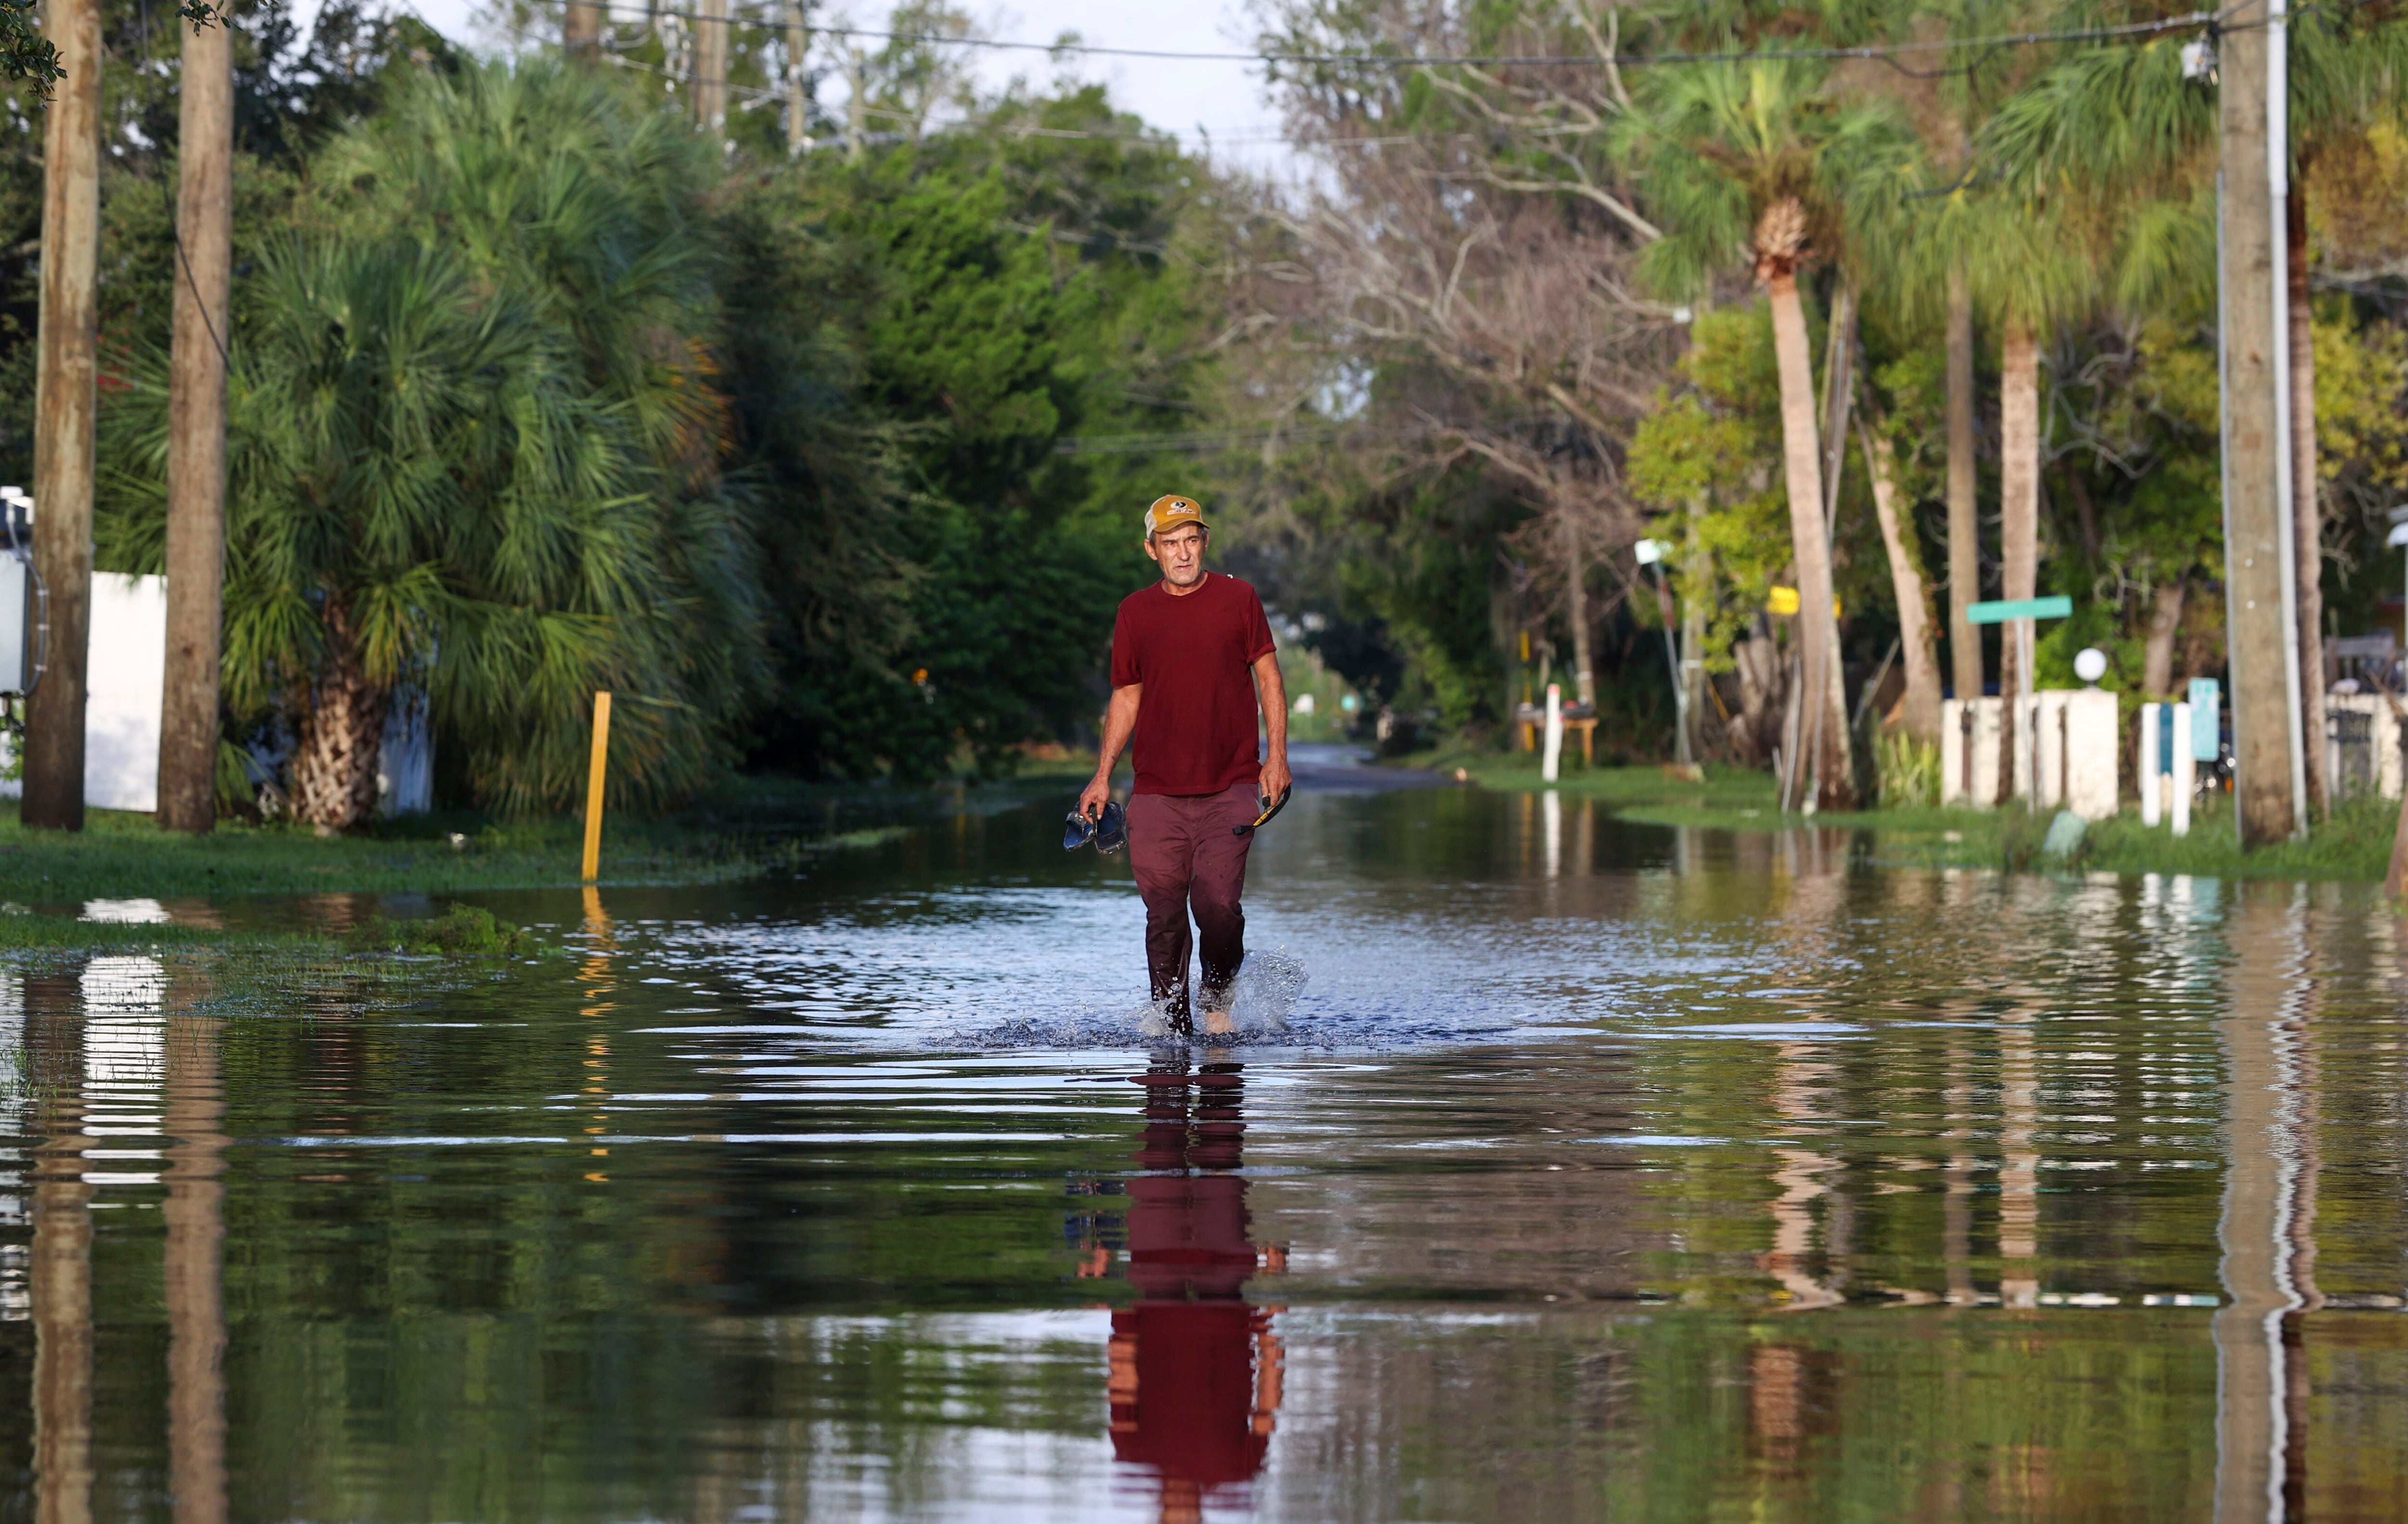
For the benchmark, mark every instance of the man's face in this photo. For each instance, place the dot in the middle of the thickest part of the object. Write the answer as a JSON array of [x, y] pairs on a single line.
[[1180, 553]]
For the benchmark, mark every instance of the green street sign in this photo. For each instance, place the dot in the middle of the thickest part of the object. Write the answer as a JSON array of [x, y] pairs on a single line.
[[2019, 608]]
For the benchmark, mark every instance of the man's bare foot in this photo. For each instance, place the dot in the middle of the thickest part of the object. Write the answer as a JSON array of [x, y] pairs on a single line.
[[1220, 1023]]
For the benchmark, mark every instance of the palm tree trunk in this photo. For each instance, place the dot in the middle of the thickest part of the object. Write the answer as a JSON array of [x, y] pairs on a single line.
[[335, 765], [196, 433], [1758, 662], [2307, 534], [2018, 514], [1917, 631], [1825, 718], [1964, 506], [2158, 652]]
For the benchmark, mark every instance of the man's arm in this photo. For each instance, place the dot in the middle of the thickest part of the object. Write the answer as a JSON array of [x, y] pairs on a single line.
[[1120, 720], [1270, 689]]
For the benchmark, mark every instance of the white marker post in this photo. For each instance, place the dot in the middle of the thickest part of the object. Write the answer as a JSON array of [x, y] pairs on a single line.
[[2153, 764], [2184, 769], [1554, 753]]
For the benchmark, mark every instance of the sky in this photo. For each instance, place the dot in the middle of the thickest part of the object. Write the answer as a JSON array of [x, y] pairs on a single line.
[[1186, 96]]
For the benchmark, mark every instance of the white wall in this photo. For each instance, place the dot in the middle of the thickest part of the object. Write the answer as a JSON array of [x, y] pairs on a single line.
[[129, 676], [127, 671]]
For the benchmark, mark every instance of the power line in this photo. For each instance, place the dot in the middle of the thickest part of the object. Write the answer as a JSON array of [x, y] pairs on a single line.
[[1887, 52], [1205, 441]]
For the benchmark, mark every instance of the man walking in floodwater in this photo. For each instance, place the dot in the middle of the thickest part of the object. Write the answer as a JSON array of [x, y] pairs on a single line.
[[1192, 658]]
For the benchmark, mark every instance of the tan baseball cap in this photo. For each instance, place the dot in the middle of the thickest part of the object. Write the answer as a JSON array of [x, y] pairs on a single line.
[[1171, 512]]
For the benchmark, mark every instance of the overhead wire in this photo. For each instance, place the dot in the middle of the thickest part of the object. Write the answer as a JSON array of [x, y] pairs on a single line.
[[2212, 23], [1878, 53], [1865, 52]]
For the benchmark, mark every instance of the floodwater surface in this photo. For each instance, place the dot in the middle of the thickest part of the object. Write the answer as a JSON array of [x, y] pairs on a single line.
[[1563, 1169]]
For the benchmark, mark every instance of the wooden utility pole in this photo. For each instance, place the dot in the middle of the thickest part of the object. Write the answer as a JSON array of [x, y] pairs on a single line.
[[1576, 598], [581, 29], [856, 107], [196, 432], [799, 82], [2265, 722], [710, 70], [1964, 509], [2307, 534], [65, 400]]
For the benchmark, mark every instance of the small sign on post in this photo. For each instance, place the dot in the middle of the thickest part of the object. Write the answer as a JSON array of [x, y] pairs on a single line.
[[2153, 764], [2186, 763], [2023, 613], [594, 774], [1999, 610], [2207, 721]]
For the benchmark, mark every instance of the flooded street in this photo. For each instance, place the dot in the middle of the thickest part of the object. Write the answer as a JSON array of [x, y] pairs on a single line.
[[1568, 1169]]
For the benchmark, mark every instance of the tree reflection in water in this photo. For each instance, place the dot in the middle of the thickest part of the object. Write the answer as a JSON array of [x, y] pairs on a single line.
[[61, 1278], [1195, 1382], [195, 1275]]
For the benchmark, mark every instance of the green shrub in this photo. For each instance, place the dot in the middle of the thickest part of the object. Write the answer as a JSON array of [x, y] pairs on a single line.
[[1908, 771], [463, 931]]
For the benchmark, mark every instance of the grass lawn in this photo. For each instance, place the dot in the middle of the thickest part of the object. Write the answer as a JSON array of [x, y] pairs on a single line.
[[755, 827]]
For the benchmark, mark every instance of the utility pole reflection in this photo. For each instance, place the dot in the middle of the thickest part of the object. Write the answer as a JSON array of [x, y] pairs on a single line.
[[1194, 1368], [60, 1282], [196, 1287], [2267, 1216], [2018, 1162]]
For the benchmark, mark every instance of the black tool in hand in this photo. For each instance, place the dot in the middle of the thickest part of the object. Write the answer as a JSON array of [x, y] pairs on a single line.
[[1269, 809]]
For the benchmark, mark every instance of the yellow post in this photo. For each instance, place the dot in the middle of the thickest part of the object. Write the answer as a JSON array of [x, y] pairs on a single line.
[[594, 787]]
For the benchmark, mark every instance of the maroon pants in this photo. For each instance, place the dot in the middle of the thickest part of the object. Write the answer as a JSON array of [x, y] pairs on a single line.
[[1184, 853]]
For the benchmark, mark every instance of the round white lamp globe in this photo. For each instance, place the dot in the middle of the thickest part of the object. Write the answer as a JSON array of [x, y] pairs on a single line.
[[2090, 664]]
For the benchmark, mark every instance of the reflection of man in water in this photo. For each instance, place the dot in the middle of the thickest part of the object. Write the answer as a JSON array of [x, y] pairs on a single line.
[[1189, 655], [1194, 1368]]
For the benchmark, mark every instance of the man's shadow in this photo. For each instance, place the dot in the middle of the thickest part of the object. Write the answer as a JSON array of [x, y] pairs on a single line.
[[1196, 1368]]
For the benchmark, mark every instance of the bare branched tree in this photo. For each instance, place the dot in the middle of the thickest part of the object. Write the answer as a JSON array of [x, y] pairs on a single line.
[[1501, 327]]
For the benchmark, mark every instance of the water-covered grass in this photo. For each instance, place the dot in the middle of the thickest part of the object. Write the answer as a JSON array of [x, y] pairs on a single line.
[[2356, 843], [1723, 789], [28, 932]]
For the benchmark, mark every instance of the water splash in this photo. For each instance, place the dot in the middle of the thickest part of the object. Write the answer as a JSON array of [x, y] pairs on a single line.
[[1268, 986]]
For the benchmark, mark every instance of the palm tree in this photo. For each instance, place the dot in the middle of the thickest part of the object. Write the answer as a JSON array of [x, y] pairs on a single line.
[[421, 497], [2029, 259], [476, 452], [1754, 162], [2129, 121], [1934, 281]]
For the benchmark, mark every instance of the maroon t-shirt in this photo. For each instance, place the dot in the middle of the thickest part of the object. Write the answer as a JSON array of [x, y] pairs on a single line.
[[1197, 720]]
